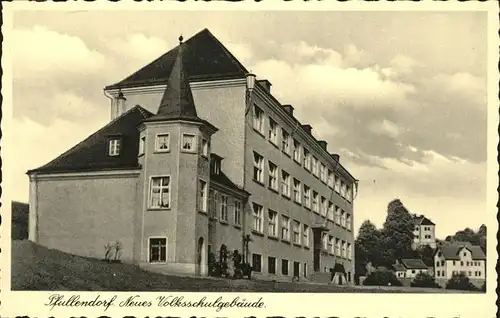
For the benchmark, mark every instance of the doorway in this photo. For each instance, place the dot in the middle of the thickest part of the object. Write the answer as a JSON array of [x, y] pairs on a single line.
[[201, 260]]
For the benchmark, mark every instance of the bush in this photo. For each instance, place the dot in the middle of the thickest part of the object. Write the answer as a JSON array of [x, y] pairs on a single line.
[[460, 282], [483, 287], [382, 278], [424, 280]]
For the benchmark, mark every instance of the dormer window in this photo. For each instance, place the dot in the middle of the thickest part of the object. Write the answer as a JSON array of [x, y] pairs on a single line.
[[215, 165], [162, 143], [114, 147], [188, 143]]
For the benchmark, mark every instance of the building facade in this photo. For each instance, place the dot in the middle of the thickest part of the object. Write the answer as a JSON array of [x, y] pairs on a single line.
[[208, 159], [424, 232], [453, 258]]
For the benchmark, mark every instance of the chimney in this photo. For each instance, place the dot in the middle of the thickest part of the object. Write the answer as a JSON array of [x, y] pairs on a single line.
[[323, 144], [120, 104], [288, 108], [266, 84], [335, 157], [307, 128]]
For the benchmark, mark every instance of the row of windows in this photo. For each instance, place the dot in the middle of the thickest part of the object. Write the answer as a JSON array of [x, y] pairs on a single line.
[[300, 154], [426, 228], [467, 263], [271, 266], [336, 246], [219, 206], [300, 193], [413, 271], [189, 143], [466, 273], [425, 236]]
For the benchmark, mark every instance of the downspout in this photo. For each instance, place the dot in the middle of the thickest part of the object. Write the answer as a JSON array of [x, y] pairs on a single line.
[[112, 106]]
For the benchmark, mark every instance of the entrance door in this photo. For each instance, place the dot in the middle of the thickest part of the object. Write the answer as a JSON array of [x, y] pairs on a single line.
[[200, 257], [296, 269], [316, 250]]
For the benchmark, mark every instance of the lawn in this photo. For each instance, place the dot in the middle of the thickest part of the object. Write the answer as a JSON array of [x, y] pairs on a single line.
[[37, 268]]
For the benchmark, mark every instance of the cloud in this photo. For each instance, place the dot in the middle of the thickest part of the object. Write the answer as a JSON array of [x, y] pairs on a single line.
[[384, 127], [41, 52]]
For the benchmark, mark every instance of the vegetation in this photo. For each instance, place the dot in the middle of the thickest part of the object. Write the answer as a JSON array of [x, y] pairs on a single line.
[[424, 280], [460, 282], [382, 278], [469, 235]]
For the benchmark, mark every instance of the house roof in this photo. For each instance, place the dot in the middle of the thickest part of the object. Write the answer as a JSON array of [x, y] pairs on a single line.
[[222, 179], [92, 153], [451, 251], [413, 263], [205, 58], [422, 220], [399, 267]]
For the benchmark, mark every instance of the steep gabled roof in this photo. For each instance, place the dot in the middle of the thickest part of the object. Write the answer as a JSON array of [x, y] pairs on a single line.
[[422, 220], [92, 153], [451, 251], [205, 58], [413, 263]]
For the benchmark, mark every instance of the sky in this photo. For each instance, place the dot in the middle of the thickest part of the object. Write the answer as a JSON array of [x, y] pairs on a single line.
[[398, 95]]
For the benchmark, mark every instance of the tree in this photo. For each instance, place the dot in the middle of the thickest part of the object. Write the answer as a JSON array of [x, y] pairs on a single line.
[[424, 280], [468, 235], [426, 254], [460, 282], [382, 278], [366, 246], [397, 232]]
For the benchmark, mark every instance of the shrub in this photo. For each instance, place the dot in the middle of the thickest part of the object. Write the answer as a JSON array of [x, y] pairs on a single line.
[[382, 278], [424, 280], [483, 287], [460, 282]]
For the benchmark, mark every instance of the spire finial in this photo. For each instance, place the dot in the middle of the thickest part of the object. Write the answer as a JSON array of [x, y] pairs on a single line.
[[180, 39]]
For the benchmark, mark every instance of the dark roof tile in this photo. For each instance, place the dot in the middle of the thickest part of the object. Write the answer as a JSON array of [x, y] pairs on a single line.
[[413, 263]]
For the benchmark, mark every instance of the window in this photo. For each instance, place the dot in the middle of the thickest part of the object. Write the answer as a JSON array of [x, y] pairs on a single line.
[[204, 147], [348, 221], [331, 244], [307, 159], [256, 262], [416, 236], [188, 143], [273, 131], [442, 263], [324, 240], [465, 253], [343, 219], [307, 196], [271, 265], [237, 212], [223, 207], [114, 147], [157, 250], [349, 251], [337, 247], [315, 166], [296, 232], [453, 263], [160, 192], [337, 184], [416, 228], [337, 215], [212, 205], [285, 228], [297, 196], [203, 196], [306, 235], [284, 267], [257, 217], [273, 226], [296, 151], [330, 181], [285, 183], [315, 203], [461, 263], [331, 211], [324, 206], [348, 194], [344, 249], [305, 269], [285, 141], [142, 145], [258, 119], [342, 189], [162, 142], [258, 162], [273, 176], [322, 172]]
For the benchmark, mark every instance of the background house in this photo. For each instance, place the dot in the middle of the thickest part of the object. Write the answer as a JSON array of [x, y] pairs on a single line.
[[424, 232]]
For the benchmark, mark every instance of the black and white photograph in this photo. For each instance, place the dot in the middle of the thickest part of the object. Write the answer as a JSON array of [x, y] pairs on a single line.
[[325, 152]]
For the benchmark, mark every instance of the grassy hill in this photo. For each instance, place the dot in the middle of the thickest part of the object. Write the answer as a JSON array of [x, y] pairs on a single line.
[[37, 268]]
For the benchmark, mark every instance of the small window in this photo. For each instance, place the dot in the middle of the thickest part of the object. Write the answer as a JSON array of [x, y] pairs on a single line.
[[285, 141], [285, 183], [162, 142], [307, 196], [258, 167], [203, 196], [285, 228], [273, 176], [271, 265], [142, 145], [157, 250], [258, 216], [204, 147], [272, 226], [256, 262], [296, 151], [237, 212], [223, 208], [188, 143], [305, 241], [296, 232], [273, 131], [297, 195], [284, 267], [258, 119], [114, 147]]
